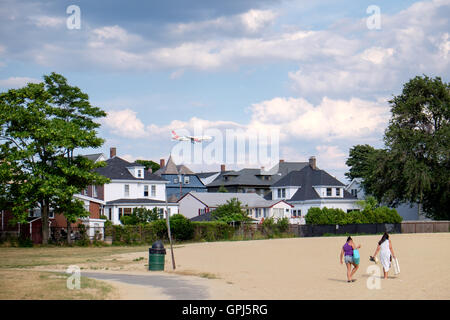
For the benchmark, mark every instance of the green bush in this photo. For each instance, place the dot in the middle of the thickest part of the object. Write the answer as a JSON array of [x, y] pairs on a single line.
[[212, 231], [181, 227], [369, 214], [283, 225]]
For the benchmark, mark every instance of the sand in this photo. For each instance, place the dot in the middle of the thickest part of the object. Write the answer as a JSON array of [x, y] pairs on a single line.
[[309, 268]]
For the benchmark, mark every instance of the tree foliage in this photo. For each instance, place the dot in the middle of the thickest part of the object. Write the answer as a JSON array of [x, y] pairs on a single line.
[[149, 164], [140, 215], [41, 125], [231, 211], [414, 167]]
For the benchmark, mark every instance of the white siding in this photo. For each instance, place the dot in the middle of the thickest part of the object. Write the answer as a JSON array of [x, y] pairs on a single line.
[[116, 190], [189, 206]]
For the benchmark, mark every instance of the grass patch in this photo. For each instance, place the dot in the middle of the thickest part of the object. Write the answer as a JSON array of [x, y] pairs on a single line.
[[37, 285], [52, 256]]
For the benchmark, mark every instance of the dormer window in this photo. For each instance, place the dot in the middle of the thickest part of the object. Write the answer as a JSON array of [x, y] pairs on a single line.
[[328, 192], [281, 193], [338, 192], [139, 173]]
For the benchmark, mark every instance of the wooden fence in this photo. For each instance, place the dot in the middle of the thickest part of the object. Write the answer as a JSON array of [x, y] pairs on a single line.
[[425, 226]]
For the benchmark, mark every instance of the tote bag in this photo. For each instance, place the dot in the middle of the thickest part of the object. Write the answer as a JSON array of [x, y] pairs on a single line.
[[356, 256]]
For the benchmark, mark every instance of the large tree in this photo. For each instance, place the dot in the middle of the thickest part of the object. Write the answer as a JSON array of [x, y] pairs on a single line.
[[415, 165], [41, 125]]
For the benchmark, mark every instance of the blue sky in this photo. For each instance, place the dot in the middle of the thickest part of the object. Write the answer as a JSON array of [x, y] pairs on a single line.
[[312, 70]]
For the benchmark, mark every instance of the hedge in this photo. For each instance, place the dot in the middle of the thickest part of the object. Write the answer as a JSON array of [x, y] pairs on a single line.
[[337, 216]]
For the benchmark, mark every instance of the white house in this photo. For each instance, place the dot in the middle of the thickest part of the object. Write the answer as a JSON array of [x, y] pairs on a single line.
[[130, 186], [407, 211], [195, 204], [312, 187]]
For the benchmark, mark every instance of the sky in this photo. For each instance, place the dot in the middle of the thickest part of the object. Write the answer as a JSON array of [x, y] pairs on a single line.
[[316, 76]]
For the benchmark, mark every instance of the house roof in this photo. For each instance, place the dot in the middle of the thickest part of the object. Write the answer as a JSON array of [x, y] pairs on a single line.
[[244, 177], [203, 175], [135, 201], [214, 199], [172, 168], [306, 179], [93, 157], [116, 168], [203, 217]]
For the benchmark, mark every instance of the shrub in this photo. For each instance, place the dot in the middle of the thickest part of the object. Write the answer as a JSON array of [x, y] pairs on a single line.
[[181, 228], [283, 225], [369, 214]]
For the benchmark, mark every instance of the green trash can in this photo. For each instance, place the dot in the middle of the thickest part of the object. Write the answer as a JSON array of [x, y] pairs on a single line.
[[156, 256]]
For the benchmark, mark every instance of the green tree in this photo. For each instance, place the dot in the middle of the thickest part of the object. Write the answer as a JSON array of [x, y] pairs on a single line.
[[415, 165], [222, 189], [359, 161], [149, 164], [41, 125], [230, 211]]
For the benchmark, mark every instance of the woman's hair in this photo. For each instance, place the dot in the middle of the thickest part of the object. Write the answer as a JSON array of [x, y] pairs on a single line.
[[383, 238], [349, 238]]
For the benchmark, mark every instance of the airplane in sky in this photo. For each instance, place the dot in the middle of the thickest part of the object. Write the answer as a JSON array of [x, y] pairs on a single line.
[[193, 139]]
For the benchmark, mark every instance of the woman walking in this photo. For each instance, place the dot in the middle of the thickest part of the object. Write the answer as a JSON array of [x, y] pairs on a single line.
[[347, 251], [386, 250]]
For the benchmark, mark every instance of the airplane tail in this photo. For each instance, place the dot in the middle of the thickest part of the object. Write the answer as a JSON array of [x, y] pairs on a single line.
[[174, 135]]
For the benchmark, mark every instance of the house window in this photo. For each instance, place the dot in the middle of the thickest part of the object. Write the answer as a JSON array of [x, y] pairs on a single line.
[[94, 191], [127, 190], [110, 214], [281, 193], [186, 180], [120, 213], [338, 192], [175, 180], [127, 211], [354, 192], [153, 191], [139, 173], [265, 212], [328, 192], [145, 190]]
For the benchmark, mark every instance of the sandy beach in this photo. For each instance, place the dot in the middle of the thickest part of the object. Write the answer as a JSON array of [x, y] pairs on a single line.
[[309, 268]]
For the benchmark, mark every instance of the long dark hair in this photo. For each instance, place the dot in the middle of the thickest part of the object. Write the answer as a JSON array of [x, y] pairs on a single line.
[[349, 238], [384, 238]]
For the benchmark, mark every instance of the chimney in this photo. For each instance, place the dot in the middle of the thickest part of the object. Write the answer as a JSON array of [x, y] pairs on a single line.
[[281, 160], [162, 163], [222, 167], [150, 170], [112, 152], [312, 162]]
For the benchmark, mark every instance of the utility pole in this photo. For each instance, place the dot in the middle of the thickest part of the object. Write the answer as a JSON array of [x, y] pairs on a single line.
[[169, 234]]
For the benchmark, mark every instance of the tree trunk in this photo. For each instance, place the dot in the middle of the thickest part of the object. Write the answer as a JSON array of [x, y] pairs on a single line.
[[45, 227], [69, 232]]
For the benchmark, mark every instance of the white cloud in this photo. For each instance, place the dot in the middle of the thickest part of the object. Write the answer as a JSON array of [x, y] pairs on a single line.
[[331, 157], [329, 120], [124, 123], [255, 20], [47, 21], [17, 82]]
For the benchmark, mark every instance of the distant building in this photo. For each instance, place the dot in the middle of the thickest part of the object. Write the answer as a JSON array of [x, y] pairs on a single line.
[[181, 179], [131, 186], [195, 204], [408, 211], [311, 187]]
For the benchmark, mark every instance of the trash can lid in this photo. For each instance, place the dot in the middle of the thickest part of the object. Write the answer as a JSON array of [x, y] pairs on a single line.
[[158, 245]]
